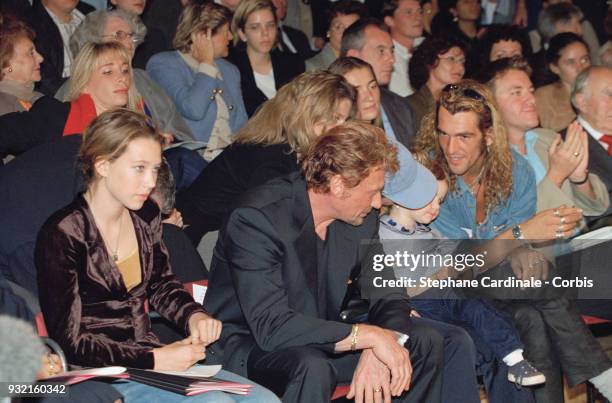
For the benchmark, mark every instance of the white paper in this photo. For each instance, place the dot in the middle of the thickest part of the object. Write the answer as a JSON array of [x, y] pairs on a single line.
[[199, 292], [202, 371], [105, 371]]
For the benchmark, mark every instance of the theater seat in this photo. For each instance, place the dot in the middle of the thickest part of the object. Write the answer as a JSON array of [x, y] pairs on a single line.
[[592, 320]]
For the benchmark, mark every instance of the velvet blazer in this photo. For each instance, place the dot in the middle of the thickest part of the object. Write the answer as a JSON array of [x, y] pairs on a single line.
[[85, 303]]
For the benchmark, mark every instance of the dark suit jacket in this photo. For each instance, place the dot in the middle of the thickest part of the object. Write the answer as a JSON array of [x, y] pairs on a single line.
[[286, 67], [86, 306], [206, 204], [400, 116], [267, 287], [298, 40], [35, 185], [49, 44], [22, 131]]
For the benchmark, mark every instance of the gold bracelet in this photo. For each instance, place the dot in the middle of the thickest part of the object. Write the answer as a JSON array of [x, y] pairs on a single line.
[[354, 334]]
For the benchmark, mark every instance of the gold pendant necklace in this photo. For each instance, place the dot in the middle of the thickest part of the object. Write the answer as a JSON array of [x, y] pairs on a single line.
[[116, 251]]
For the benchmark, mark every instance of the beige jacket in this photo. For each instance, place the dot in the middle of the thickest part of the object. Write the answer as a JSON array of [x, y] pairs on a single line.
[[554, 107]]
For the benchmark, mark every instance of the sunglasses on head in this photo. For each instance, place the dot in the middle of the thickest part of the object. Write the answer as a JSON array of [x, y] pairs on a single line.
[[466, 92]]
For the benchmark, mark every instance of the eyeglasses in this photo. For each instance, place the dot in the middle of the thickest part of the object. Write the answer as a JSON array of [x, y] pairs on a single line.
[[122, 36], [453, 59]]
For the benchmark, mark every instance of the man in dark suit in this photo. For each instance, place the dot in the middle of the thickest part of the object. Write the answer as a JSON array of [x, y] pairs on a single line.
[[290, 39], [369, 40], [54, 21], [279, 283], [592, 99]]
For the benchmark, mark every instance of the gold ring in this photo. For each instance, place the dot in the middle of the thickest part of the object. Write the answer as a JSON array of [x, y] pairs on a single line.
[[378, 389], [556, 212], [559, 235], [563, 220], [576, 154]]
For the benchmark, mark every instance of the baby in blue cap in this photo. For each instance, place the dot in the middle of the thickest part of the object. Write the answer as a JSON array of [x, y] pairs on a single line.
[[416, 195]]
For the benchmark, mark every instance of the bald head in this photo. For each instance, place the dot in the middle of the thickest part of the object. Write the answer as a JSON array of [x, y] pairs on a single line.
[[592, 97]]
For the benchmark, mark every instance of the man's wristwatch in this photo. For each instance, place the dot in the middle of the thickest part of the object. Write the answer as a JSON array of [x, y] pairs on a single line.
[[517, 233]]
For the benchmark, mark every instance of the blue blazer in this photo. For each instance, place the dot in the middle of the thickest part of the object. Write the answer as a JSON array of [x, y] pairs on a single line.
[[194, 93]]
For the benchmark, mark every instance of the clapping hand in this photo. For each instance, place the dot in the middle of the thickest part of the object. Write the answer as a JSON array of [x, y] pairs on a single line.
[[569, 158]]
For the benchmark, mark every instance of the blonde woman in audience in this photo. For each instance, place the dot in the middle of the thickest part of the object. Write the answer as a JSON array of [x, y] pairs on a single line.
[[567, 56], [100, 258], [267, 147], [204, 86], [263, 67], [100, 81], [127, 29]]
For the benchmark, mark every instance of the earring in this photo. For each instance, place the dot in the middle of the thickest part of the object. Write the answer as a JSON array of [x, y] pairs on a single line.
[[10, 70], [455, 19], [327, 35]]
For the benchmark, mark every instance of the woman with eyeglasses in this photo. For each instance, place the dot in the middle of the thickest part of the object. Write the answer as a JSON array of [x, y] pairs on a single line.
[[204, 86], [263, 67], [341, 15], [437, 62], [20, 66], [567, 56]]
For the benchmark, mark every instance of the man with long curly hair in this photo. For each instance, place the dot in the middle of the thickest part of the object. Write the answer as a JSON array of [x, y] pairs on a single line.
[[493, 196]]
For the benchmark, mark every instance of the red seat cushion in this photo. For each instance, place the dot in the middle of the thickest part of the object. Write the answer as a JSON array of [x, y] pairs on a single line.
[[593, 320], [341, 391]]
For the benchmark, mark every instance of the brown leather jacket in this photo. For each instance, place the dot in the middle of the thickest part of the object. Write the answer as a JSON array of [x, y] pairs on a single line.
[[86, 306]]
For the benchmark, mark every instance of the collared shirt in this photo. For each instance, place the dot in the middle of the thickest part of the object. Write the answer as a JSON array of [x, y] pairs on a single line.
[[400, 83], [457, 219], [531, 156], [66, 30], [596, 134], [286, 41], [387, 125]]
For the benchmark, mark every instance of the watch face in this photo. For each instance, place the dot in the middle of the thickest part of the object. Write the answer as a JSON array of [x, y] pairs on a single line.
[[516, 232]]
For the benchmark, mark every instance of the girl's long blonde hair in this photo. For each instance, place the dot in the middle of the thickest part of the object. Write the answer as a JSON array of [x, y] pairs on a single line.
[[291, 115]]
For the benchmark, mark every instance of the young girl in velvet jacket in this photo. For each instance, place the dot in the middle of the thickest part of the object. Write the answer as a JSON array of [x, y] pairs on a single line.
[[101, 257]]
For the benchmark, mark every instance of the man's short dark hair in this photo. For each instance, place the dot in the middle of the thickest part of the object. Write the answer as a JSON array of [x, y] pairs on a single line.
[[499, 67], [425, 58], [353, 36], [389, 6]]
